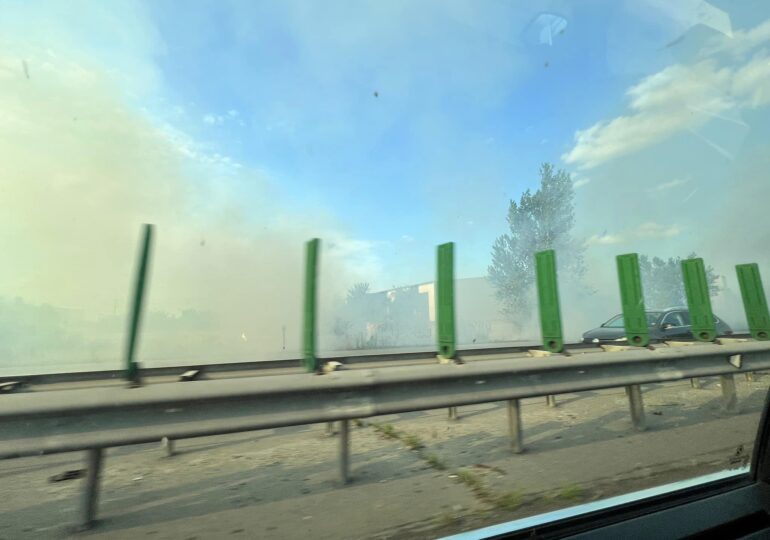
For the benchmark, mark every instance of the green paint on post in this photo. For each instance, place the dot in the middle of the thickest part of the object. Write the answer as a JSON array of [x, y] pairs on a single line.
[[132, 367], [309, 323], [548, 301], [696, 287], [445, 300], [754, 301], [632, 300]]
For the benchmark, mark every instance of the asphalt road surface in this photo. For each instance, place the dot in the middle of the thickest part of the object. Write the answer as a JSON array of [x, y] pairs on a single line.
[[416, 475]]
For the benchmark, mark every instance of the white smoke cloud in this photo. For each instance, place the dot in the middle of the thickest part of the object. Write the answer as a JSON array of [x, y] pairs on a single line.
[[83, 168]]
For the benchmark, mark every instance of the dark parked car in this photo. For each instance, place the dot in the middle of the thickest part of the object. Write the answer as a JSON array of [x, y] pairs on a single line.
[[671, 323]]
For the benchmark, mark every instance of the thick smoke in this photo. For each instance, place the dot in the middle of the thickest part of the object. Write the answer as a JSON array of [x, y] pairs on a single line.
[[81, 171]]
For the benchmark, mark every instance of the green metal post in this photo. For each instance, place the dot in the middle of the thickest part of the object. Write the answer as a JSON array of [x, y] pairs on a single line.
[[696, 287], [309, 323], [754, 301], [632, 300], [445, 300], [548, 301], [132, 367]]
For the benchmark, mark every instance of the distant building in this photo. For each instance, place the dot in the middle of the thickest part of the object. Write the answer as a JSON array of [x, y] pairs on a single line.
[[407, 315]]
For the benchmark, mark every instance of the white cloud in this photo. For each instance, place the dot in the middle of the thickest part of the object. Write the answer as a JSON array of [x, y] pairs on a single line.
[[676, 182], [659, 106], [680, 98], [645, 230], [580, 182], [752, 81], [213, 119], [604, 239], [651, 229], [197, 151]]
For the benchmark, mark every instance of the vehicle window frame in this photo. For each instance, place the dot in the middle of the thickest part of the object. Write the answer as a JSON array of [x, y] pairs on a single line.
[[606, 324], [653, 322], [672, 314]]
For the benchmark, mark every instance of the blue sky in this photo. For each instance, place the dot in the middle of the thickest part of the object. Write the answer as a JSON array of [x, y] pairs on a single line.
[[470, 100], [312, 118], [469, 103]]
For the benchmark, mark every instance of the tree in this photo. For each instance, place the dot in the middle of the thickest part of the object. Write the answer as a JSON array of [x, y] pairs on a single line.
[[540, 220], [351, 325], [662, 281], [357, 292]]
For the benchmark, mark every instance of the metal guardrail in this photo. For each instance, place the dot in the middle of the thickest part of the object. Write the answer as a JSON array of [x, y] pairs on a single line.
[[93, 419], [353, 359], [348, 358]]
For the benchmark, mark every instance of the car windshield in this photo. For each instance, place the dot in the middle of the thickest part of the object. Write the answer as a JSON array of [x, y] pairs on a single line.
[[617, 321], [254, 251]]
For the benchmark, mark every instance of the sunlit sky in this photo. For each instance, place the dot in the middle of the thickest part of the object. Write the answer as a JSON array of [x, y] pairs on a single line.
[[383, 127]]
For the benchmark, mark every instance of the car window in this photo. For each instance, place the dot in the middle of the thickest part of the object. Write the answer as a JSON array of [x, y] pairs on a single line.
[[652, 318], [618, 321], [674, 319], [300, 162], [685, 315], [615, 322]]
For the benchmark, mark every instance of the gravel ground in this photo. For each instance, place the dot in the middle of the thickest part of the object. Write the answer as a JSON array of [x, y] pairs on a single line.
[[416, 475]]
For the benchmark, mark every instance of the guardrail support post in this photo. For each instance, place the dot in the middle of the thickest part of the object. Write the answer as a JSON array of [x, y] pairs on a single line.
[[550, 401], [634, 392], [695, 382], [344, 451], [168, 446], [514, 426], [91, 494], [453, 413], [729, 396]]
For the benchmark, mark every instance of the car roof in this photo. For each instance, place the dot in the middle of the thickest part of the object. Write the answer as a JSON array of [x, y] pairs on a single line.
[[661, 311]]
